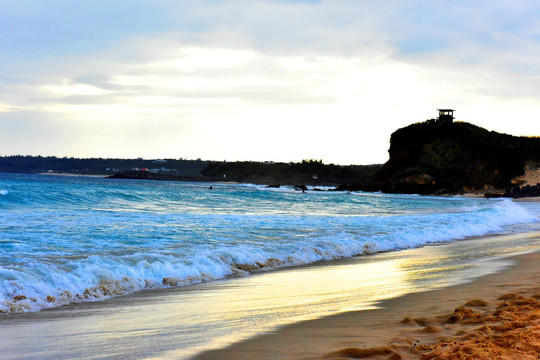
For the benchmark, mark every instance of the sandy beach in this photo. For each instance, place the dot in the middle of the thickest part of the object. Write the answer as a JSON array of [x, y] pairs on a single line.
[[494, 317]]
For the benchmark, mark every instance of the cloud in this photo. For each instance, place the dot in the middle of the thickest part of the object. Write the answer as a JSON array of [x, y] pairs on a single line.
[[341, 73], [99, 81], [36, 133]]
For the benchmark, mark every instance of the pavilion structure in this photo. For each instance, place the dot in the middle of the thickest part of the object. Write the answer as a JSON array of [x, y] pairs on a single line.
[[446, 116]]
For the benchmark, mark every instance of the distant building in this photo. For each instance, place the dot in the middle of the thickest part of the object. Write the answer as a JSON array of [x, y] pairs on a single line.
[[446, 116]]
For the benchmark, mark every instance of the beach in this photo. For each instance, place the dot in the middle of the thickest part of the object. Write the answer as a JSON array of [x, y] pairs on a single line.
[[493, 317]]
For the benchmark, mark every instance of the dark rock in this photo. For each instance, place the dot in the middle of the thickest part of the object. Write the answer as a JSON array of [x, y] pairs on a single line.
[[495, 195], [300, 187], [356, 187], [517, 192], [526, 191], [351, 187]]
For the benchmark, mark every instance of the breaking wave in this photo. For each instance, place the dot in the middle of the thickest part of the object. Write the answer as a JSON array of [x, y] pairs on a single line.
[[198, 248]]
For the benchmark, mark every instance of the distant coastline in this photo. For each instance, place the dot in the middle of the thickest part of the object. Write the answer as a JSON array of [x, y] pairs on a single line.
[[307, 172], [431, 158]]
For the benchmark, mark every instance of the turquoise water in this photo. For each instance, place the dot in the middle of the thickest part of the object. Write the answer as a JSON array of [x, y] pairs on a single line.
[[76, 239]]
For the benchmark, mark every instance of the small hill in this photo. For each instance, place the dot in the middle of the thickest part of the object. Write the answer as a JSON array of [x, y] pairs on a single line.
[[435, 158], [311, 172]]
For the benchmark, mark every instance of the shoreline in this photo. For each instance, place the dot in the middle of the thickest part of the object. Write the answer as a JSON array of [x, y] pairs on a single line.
[[260, 271], [167, 323], [409, 326], [153, 324], [337, 186]]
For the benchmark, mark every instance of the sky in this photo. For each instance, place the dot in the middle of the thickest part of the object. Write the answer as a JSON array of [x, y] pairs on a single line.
[[262, 80]]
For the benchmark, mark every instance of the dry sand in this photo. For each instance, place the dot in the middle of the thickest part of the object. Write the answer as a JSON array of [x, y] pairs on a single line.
[[531, 176], [494, 317]]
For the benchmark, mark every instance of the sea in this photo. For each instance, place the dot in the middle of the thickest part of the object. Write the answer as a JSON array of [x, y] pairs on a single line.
[[71, 240]]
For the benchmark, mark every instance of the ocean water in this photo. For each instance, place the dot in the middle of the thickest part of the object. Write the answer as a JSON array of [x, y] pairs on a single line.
[[77, 239]]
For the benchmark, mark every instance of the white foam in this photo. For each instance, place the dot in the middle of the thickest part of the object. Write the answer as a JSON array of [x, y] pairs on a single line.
[[4, 192], [177, 248], [289, 188]]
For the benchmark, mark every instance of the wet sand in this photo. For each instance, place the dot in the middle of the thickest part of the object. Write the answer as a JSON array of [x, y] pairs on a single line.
[[528, 199], [494, 317]]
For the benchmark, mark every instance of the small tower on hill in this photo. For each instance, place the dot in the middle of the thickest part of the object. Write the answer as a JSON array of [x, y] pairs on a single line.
[[446, 116]]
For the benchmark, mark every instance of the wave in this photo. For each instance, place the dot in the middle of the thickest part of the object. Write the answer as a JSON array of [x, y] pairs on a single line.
[[50, 282], [286, 188], [4, 192]]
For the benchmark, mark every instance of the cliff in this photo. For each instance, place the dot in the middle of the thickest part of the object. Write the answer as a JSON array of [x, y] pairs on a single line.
[[434, 158]]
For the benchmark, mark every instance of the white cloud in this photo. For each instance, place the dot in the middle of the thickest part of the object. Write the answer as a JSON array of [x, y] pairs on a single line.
[[270, 80], [69, 88]]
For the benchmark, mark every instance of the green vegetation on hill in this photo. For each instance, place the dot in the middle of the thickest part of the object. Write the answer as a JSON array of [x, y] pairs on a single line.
[[306, 172], [429, 158], [97, 166]]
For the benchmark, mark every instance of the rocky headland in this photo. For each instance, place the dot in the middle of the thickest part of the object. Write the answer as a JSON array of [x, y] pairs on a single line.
[[458, 157]]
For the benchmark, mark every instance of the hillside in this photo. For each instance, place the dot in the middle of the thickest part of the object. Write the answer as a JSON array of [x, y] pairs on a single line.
[[431, 158], [97, 166], [305, 172]]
